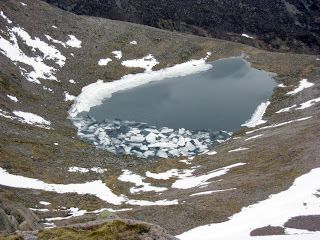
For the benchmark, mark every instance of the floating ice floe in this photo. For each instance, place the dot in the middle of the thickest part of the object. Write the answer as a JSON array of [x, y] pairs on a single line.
[[140, 185], [96, 188], [279, 124], [301, 199], [145, 141], [246, 36], [256, 118], [12, 98], [104, 61], [117, 54], [210, 192], [197, 181], [147, 62], [302, 85]]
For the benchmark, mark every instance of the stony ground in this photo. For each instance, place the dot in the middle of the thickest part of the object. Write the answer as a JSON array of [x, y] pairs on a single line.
[[273, 160]]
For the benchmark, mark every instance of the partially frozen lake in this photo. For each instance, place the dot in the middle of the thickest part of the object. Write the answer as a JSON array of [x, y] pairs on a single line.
[[178, 115], [221, 98]]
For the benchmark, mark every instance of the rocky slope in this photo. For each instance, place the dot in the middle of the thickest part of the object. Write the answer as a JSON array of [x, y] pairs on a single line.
[[285, 25], [47, 55]]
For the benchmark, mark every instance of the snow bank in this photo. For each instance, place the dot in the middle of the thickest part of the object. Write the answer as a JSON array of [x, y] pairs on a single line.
[[246, 35], [280, 124], [104, 61], [5, 17], [147, 62], [31, 118], [238, 149], [95, 93], [308, 104], [253, 137], [117, 54], [12, 98], [68, 97], [73, 42], [197, 181], [210, 192], [299, 199], [302, 85], [96, 188], [256, 118]]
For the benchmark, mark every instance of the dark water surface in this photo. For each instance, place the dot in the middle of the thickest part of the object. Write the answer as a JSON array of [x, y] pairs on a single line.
[[221, 98]]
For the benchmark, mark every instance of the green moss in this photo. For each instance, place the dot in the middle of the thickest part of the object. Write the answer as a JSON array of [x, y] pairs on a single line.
[[104, 215], [115, 230]]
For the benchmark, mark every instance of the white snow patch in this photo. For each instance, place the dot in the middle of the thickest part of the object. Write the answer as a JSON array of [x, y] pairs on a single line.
[[253, 137], [147, 62], [6, 115], [287, 109], [247, 36], [96, 188], [93, 94], [302, 85], [44, 203], [281, 85], [5, 17], [299, 199], [256, 118], [128, 176], [177, 173], [308, 104], [73, 42], [55, 41], [72, 81], [23, 4], [133, 42], [47, 89], [238, 149], [68, 97], [12, 98], [210, 192], [104, 61], [39, 209], [56, 144], [197, 181], [31, 118], [12, 50], [212, 152], [78, 169], [279, 124], [117, 54], [53, 26]]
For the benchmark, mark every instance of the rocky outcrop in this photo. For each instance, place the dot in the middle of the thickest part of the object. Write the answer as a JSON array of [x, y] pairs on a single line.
[[283, 25]]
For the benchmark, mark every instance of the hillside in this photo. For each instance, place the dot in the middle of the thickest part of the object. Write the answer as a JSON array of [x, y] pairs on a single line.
[[281, 25], [49, 177]]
